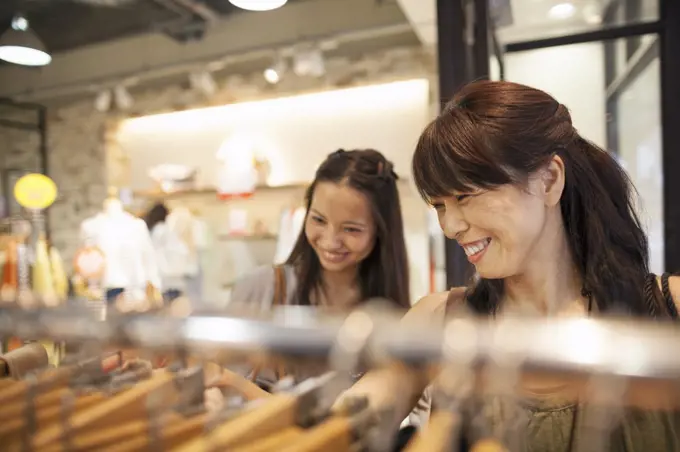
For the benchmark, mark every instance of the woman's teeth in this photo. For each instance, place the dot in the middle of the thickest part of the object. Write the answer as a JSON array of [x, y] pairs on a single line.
[[476, 247]]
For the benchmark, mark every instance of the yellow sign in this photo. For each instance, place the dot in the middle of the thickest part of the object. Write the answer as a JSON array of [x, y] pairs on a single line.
[[35, 191]]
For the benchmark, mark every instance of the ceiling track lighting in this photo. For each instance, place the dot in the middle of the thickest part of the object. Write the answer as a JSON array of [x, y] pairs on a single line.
[[258, 5], [118, 97], [123, 98], [308, 61], [102, 103], [203, 82], [274, 73], [20, 45]]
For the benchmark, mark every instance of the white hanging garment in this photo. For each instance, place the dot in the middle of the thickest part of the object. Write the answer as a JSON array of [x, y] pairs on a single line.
[[193, 233], [126, 244], [172, 255], [291, 225]]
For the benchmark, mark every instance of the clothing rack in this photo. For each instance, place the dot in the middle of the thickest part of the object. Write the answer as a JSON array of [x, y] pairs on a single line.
[[620, 348]]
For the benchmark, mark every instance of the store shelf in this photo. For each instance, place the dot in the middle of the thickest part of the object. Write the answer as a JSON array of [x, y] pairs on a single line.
[[155, 194]]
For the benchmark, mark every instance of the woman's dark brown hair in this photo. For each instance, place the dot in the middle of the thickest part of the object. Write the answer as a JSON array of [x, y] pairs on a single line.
[[384, 273], [495, 133], [157, 214]]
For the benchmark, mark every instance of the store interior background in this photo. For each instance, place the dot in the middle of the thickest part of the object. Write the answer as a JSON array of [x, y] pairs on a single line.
[[120, 106]]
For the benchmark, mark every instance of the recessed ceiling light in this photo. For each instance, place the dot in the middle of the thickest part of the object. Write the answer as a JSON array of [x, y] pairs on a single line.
[[258, 5], [562, 11]]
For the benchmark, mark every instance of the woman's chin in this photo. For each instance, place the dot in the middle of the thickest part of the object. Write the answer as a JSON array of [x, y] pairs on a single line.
[[484, 272]]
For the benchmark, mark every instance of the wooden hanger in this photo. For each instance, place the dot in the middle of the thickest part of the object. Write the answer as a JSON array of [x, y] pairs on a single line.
[[334, 435], [272, 443], [173, 429], [13, 431], [43, 401], [111, 431], [127, 405], [50, 379], [170, 435], [271, 415]]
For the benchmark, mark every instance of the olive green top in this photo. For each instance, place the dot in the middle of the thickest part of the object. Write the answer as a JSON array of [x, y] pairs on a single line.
[[554, 425], [552, 422]]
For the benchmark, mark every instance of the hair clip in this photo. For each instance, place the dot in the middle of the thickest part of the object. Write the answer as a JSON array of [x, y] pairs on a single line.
[[386, 170]]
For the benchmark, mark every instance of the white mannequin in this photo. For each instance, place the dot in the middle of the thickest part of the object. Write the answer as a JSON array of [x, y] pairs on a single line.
[[126, 244], [113, 206]]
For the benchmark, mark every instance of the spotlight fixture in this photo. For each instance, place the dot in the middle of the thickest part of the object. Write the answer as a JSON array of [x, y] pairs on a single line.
[[203, 82], [122, 98], [309, 62], [271, 76], [102, 103], [20, 45], [258, 5], [562, 11], [274, 73]]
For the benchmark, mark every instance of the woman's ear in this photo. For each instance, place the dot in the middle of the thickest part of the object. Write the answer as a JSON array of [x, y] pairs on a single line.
[[552, 178]]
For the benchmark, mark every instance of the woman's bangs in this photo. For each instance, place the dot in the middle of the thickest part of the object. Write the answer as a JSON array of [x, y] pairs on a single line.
[[447, 162]]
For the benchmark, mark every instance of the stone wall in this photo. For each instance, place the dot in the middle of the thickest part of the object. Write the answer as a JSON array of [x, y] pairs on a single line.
[[83, 158]]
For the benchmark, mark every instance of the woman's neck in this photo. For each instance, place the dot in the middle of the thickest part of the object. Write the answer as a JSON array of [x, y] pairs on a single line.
[[551, 284], [340, 290]]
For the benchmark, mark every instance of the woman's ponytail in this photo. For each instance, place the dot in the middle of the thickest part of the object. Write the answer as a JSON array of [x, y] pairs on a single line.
[[609, 245]]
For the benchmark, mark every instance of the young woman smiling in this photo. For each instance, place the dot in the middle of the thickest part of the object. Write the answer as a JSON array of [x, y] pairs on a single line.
[[351, 249], [352, 246], [548, 220]]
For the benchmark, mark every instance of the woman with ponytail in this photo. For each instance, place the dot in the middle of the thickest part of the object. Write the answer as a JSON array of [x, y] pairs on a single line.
[[548, 220]]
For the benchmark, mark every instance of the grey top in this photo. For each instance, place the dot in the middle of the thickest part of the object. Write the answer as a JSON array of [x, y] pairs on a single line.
[[257, 289]]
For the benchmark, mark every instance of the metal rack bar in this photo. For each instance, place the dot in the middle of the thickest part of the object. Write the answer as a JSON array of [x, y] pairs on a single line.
[[613, 347]]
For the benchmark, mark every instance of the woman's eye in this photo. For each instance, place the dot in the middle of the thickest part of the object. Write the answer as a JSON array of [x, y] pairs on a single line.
[[317, 220], [352, 230], [437, 206], [460, 198]]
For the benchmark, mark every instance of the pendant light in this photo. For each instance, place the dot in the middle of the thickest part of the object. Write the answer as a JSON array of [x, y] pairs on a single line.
[[258, 5], [20, 45]]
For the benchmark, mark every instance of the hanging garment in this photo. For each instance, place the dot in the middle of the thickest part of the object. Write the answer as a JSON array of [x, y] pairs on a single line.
[[171, 255], [59, 274], [43, 284], [193, 232], [126, 244], [290, 226]]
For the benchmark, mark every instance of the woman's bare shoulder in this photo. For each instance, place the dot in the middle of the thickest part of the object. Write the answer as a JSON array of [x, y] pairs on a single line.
[[674, 288], [433, 306]]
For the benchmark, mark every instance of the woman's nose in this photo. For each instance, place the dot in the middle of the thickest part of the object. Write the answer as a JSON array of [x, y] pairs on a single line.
[[452, 222]]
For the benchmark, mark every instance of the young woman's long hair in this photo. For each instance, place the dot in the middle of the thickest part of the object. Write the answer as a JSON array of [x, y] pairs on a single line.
[[495, 133], [384, 273]]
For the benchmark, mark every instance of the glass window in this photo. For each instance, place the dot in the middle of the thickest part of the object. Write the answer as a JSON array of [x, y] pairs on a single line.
[[614, 100], [526, 20]]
